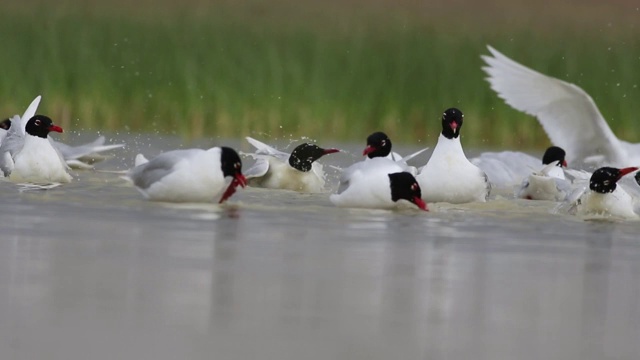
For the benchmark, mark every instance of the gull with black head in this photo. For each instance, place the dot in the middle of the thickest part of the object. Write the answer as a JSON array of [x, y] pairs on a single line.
[[566, 112], [298, 171], [549, 183], [375, 187], [605, 197], [26, 154], [449, 176], [379, 145], [188, 175]]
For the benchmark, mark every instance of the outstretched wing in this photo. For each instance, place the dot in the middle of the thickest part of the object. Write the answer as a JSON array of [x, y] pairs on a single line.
[[566, 112], [86, 151], [258, 169], [14, 141], [264, 149]]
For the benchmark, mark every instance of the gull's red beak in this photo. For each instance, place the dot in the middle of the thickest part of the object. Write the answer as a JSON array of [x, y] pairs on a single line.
[[55, 128], [238, 179], [330, 151], [454, 126], [625, 171], [367, 150], [421, 204], [564, 163]]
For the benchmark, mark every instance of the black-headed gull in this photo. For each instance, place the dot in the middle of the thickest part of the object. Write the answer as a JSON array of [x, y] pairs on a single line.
[[189, 175], [449, 176], [605, 197], [567, 113], [298, 171], [26, 154], [548, 183], [76, 157], [377, 184], [379, 145], [545, 184], [506, 169]]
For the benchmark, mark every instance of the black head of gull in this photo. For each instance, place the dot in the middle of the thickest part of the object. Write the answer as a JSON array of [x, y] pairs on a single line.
[[554, 153], [378, 145], [304, 155], [231, 165], [604, 180], [404, 186], [40, 126], [452, 123], [5, 124]]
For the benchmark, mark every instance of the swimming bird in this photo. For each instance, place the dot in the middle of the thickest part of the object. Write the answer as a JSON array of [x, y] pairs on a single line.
[[567, 113], [298, 171], [26, 155], [76, 157], [377, 184], [379, 145], [449, 176], [605, 197], [189, 175], [506, 169], [512, 169], [549, 183]]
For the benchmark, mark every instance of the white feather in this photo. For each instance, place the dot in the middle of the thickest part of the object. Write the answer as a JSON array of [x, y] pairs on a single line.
[[567, 113]]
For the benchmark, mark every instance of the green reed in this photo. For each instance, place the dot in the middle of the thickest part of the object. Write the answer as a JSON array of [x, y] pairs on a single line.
[[223, 74]]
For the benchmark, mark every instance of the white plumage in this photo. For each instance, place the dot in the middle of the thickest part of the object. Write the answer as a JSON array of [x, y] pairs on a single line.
[[28, 158], [567, 113], [190, 175], [273, 170], [449, 176], [367, 184]]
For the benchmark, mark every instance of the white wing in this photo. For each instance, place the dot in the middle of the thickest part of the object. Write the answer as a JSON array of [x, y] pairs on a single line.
[[546, 169], [28, 114], [411, 156], [86, 151], [146, 174], [11, 145], [566, 112], [371, 167], [506, 168], [262, 148], [258, 169], [139, 160], [579, 175]]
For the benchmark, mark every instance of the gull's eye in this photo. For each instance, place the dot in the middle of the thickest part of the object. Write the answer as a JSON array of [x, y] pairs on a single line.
[[384, 142], [237, 165], [414, 187], [37, 122], [606, 182]]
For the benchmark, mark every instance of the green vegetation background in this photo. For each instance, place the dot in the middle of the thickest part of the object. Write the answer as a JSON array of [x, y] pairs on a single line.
[[324, 69]]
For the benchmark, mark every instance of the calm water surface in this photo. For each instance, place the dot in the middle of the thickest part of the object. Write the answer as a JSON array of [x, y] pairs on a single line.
[[92, 271]]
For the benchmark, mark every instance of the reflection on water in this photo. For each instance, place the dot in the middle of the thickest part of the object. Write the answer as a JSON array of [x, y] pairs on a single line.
[[90, 270]]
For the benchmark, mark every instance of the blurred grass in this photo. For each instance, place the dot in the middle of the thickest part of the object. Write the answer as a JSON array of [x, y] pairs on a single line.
[[325, 70]]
